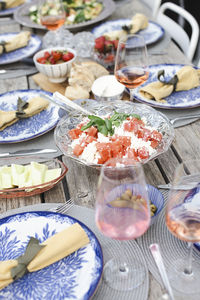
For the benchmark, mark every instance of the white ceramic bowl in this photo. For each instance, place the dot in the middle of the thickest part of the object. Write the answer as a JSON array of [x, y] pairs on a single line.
[[54, 72], [107, 88]]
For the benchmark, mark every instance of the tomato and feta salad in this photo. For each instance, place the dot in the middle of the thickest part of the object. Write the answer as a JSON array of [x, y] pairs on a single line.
[[97, 139]]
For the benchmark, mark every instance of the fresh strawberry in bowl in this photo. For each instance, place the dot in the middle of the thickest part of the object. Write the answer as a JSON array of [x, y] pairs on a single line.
[[55, 62], [105, 50]]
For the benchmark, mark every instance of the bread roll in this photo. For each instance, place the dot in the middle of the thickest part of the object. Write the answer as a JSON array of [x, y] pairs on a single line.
[[96, 69], [76, 92]]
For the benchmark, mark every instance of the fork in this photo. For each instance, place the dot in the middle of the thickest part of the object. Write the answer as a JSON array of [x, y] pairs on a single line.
[[63, 208], [172, 121]]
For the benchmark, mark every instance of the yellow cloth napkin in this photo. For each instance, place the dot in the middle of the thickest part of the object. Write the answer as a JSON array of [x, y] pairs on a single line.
[[35, 106], [56, 247], [138, 22], [188, 78], [19, 41], [10, 3]]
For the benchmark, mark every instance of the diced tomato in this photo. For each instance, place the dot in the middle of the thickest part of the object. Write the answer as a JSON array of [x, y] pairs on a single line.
[[131, 153], [116, 149], [92, 131], [74, 133], [99, 43], [125, 141], [154, 144], [155, 135], [144, 134], [78, 149], [143, 152], [89, 139], [104, 155]]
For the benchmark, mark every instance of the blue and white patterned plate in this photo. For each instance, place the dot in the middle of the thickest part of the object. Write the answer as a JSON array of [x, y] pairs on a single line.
[[151, 34], [29, 128], [182, 99], [74, 277], [33, 46]]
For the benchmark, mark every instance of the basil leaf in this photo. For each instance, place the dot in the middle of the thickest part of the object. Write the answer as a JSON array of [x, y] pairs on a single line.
[[103, 129], [88, 125], [108, 124]]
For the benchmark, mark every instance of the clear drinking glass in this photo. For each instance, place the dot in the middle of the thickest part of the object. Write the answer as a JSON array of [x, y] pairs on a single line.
[[122, 213], [183, 221], [131, 62], [52, 15]]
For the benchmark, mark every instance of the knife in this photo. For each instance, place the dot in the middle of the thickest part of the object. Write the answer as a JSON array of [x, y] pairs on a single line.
[[8, 73], [183, 187], [27, 152]]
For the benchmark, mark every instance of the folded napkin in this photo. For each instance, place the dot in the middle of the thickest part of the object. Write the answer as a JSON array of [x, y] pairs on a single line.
[[5, 4], [53, 249], [24, 110], [187, 79], [7, 118], [138, 22], [18, 41]]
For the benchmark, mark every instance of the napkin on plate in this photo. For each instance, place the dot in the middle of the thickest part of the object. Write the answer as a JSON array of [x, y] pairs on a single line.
[[5, 4], [55, 248], [24, 110], [188, 78], [18, 41], [138, 22]]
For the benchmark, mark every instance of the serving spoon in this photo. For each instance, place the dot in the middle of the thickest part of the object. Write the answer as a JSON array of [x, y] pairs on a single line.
[[65, 103]]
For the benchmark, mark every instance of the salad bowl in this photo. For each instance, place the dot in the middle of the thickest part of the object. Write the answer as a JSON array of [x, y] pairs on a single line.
[[153, 119]]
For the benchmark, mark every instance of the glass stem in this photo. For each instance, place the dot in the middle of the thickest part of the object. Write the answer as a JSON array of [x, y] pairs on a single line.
[[188, 268], [123, 265], [131, 95]]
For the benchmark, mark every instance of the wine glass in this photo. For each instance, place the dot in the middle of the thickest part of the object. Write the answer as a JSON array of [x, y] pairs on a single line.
[[131, 62], [52, 15], [183, 221], [122, 213]]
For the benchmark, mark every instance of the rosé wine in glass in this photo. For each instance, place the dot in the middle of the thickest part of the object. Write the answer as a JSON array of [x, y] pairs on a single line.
[[183, 221], [122, 213], [131, 62]]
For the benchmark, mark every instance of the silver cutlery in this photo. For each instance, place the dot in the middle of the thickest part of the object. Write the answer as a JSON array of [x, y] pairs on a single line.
[[27, 152], [65, 103], [155, 251], [63, 208], [182, 187], [173, 121]]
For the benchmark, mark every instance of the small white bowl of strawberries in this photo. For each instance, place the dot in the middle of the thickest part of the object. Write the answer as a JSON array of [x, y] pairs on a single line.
[[105, 50], [55, 62]]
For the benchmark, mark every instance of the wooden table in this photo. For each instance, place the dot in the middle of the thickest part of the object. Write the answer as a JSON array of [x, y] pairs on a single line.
[[82, 180]]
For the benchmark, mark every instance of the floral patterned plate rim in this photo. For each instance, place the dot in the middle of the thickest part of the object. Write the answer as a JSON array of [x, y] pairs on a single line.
[[33, 46], [182, 99], [29, 128], [151, 34], [74, 277]]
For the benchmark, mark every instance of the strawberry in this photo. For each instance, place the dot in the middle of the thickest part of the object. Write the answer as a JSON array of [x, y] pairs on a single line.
[[46, 54], [56, 55], [115, 44], [99, 43], [109, 58], [108, 46], [41, 60], [67, 56], [52, 60]]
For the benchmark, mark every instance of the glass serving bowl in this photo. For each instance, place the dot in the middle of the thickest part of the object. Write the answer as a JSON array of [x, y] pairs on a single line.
[[154, 118], [36, 189]]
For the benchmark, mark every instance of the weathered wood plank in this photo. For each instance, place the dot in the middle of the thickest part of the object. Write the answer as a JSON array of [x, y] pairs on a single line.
[[56, 194]]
